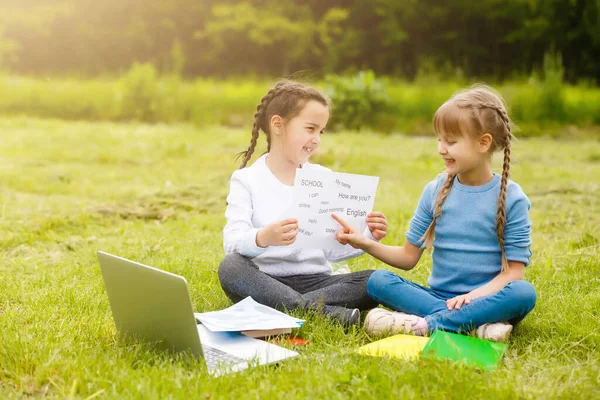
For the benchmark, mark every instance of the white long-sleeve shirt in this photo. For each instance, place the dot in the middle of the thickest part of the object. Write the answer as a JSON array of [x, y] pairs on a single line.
[[256, 199]]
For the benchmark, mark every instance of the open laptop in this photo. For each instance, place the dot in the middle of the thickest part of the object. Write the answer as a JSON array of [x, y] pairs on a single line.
[[155, 305]]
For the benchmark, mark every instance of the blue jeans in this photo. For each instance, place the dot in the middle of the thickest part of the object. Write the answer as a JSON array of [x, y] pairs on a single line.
[[512, 303]]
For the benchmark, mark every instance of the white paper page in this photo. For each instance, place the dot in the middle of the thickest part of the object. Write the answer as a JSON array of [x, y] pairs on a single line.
[[318, 194], [247, 315]]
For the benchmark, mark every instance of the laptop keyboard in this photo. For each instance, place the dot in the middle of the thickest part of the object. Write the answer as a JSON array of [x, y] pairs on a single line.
[[214, 357]]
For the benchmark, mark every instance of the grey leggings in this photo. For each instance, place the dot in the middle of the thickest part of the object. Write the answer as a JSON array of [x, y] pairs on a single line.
[[240, 278]]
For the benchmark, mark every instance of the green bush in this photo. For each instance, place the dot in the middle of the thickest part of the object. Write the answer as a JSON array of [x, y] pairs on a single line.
[[552, 102], [68, 98], [360, 101], [140, 93]]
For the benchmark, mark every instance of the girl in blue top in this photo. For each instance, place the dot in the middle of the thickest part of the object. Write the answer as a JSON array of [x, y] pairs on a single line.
[[478, 225]]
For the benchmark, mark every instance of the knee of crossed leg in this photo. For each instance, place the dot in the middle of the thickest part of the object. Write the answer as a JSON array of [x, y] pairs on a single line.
[[523, 293], [380, 280], [228, 265]]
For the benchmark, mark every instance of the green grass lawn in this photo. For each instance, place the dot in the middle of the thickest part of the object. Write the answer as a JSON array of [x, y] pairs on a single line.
[[156, 194]]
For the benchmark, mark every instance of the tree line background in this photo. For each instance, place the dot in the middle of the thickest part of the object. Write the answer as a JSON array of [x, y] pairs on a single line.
[[499, 39]]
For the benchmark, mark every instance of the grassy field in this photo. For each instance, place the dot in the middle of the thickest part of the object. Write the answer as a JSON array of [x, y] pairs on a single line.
[[156, 194]]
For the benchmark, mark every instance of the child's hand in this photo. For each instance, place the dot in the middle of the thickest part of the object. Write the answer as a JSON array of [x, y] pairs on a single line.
[[349, 235], [377, 225], [458, 301], [279, 233]]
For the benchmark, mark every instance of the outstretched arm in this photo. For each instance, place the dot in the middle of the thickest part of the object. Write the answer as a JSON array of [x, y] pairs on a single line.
[[403, 257]]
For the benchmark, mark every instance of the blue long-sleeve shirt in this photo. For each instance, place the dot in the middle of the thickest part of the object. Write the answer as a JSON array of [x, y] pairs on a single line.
[[466, 252]]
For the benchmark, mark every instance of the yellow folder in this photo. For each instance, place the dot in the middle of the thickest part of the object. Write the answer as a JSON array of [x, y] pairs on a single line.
[[400, 346]]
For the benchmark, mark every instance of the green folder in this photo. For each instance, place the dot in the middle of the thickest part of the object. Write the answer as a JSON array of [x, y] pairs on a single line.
[[472, 351]]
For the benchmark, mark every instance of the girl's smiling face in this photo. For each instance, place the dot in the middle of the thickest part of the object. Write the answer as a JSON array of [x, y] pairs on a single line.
[[466, 156], [463, 143], [460, 153], [302, 133]]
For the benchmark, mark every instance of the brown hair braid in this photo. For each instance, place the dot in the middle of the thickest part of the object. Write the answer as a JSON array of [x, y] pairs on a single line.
[[286, 99], [501, 218], [443, 193]]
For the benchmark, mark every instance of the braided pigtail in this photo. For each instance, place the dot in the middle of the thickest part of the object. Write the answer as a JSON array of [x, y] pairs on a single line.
[[443, 193], [259, 123], [501, 218]]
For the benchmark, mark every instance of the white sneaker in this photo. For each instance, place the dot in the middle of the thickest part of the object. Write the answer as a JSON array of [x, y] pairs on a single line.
[[384, 322], [497, 332]]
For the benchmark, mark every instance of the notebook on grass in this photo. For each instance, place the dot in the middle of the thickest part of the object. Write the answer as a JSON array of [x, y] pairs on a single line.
[[470, 350], [400, 346]]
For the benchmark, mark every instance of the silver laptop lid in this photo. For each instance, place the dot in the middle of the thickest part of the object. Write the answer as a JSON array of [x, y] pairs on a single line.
[[151, 304]]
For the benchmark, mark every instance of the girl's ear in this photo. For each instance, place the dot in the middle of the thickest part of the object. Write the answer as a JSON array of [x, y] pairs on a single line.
[[485, 142], [276, 124]]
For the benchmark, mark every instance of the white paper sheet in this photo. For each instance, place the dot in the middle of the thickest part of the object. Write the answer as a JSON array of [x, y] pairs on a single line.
[[247, 315], [318, 194]]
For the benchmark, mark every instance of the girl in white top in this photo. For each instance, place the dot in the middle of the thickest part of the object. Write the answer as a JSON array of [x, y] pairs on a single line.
[[259, 261]]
